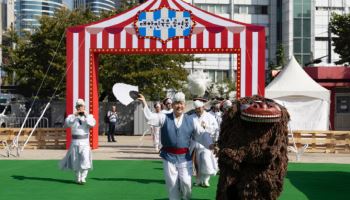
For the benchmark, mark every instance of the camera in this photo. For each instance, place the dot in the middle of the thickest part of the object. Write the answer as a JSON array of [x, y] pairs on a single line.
[[81, 113], [134, 94]]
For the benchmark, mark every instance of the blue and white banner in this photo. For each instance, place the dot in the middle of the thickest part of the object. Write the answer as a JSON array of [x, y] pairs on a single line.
[[164, 24]]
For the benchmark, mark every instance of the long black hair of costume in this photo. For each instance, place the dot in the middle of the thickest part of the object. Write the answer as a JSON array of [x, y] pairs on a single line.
[[252, 156]]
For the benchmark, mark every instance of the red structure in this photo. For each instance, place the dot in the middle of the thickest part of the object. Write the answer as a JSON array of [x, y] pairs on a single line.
[[160, 27], [337, 80]]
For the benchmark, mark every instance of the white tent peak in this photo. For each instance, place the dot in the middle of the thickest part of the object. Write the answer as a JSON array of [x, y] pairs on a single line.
[[294, 81]]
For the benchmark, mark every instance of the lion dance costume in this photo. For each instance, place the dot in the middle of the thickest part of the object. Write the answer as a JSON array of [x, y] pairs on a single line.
[[253, 150]]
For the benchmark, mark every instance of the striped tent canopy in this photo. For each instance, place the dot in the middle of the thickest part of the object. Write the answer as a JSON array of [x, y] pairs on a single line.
[[160, 27]]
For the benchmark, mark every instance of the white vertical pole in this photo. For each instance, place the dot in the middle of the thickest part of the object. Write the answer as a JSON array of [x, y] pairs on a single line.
[[15, 141], [31, 133]]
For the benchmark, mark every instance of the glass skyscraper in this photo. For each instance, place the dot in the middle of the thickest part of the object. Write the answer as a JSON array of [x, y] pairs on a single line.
[[28, 12], [96, 6], [302, 30], [222, 67], [305, 31]]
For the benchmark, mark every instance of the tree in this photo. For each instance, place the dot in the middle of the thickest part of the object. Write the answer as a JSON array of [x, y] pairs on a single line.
[[47, 47], [10, 40], [126, 4], [280, 56], [340, 26], [280, 62], [35, 53], [151, 73]]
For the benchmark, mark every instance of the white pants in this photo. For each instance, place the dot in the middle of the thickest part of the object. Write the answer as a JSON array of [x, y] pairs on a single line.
[[81, 175], [202, 179], [207, 165], [206, 161], [178, 179], [156, 137]]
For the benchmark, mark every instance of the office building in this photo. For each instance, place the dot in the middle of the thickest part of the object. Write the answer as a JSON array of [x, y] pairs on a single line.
[[305, 32], [96, 6], [221, 67], [7, 19], [28, 12]]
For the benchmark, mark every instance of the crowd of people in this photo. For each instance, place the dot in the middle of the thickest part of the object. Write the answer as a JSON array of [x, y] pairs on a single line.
[[185, 141]]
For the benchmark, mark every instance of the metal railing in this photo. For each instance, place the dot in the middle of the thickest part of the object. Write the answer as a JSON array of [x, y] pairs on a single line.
[[16, 122]]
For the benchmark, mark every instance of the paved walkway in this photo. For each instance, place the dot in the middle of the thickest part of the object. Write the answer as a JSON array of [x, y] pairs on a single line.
[[126, 147], [132, 147]]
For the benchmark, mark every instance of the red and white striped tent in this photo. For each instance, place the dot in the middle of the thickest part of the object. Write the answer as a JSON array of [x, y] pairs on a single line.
[[120, 35]]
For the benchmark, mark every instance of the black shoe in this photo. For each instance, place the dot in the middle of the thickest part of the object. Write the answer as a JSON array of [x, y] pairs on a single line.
[[114, 141]]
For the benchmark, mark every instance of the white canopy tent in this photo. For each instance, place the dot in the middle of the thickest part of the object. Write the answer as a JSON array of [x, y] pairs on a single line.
[[307, 102]]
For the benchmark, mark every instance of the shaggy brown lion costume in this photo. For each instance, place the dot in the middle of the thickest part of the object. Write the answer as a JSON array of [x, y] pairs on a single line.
[[253, 150]]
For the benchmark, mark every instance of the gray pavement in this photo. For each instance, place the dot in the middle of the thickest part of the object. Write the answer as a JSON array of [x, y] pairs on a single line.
[[135, 147], [126, 147]]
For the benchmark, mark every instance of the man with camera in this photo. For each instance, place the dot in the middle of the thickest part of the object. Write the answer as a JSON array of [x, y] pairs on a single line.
[[78, 157]]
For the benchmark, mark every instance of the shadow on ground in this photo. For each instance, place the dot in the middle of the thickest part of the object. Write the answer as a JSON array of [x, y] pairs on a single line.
[[143, 181], [22, 178]]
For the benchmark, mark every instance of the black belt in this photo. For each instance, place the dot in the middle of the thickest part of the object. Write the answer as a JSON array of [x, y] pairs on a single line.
[[77, 137]]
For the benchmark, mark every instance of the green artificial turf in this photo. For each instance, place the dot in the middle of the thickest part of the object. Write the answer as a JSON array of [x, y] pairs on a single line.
[[317, 181], [139, 179]]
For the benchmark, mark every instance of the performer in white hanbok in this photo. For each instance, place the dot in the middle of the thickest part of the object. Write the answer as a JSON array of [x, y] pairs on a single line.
[[177, 129], [155, 130], [78, 157], [216, 112], [206, 162], [167, 103]]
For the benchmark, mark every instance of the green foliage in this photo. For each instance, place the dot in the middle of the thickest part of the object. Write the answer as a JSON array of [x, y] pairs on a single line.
[[280, 56], [9, 41], [152, 73], [126, 4], [280, 62], [221, 89], [35, 53], [340, 26]]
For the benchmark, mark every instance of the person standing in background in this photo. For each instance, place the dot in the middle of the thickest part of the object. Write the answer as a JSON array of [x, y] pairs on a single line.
[[204, 157], [112, 117], [167, 102], [155, 130], [216, 112]]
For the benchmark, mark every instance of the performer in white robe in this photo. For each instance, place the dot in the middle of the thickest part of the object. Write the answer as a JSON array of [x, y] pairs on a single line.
[[167, 103], [155, 130], [206, 161], [78, 157], [215, 111], [177, 129]]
